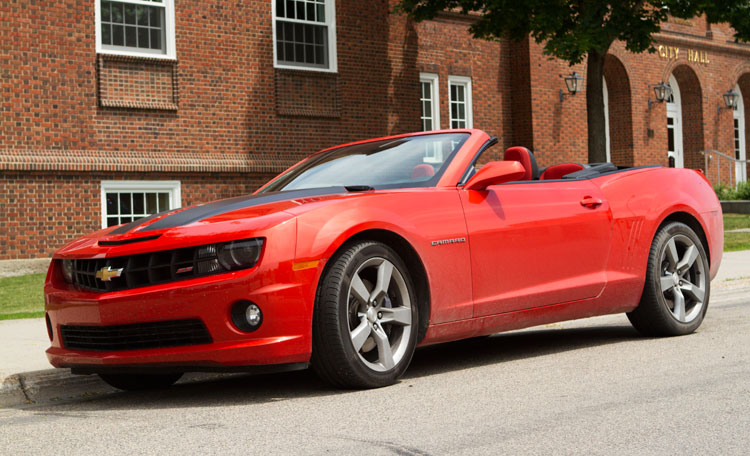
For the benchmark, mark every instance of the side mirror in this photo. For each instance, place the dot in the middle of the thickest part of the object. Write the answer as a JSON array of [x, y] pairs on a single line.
[[494, 173]]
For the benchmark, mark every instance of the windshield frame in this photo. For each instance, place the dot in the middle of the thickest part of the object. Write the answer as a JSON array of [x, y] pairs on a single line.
[[290, 174]]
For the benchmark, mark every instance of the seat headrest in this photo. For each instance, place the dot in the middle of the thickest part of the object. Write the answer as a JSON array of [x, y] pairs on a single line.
[[558, 171], [523, 155], [422, 170]]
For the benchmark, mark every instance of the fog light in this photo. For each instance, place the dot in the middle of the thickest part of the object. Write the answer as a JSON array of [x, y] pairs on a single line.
[[246, 316]]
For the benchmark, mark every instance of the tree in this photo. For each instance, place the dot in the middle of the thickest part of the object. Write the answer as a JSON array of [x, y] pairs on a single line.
[[574, 30]]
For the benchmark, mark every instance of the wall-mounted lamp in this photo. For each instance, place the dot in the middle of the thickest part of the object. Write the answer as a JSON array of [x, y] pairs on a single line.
[[662, 92], [731, 98], [574, 82]]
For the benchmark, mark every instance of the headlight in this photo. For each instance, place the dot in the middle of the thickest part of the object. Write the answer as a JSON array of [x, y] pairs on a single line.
[[240, 254], [67, 270]]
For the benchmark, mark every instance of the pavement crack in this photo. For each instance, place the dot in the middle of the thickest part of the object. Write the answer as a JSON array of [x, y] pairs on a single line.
[[25, 389]]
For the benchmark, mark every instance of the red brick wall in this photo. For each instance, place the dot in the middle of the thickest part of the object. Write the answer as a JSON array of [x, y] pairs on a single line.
[[223, 98]]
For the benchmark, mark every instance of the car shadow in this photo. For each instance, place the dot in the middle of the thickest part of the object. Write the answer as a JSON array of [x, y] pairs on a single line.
[[201, 390]]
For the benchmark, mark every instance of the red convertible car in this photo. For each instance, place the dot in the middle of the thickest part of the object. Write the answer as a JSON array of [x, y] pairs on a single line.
[[360, 253]]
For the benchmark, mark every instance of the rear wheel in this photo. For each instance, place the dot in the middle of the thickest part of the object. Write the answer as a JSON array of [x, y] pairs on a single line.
[[365, 319], [676, 292], [135, 382]]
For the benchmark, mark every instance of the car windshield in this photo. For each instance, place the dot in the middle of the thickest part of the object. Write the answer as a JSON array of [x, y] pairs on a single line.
[[413, 161]]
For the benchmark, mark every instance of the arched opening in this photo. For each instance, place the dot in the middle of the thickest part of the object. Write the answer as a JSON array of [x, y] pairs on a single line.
[[674, 126], [618, 113], [690, 109], [743, 87], [740, 146]]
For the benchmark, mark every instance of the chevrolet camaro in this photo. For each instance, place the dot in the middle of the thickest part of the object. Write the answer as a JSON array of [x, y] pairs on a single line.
[[358, 254]]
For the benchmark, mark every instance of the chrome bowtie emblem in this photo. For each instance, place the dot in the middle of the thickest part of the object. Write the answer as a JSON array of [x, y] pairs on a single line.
[[107, 274]]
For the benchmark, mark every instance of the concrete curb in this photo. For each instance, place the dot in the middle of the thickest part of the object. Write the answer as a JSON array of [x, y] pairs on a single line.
[[53, 385]]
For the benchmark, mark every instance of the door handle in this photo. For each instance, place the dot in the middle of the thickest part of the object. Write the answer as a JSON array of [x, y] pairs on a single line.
[[591, 202]]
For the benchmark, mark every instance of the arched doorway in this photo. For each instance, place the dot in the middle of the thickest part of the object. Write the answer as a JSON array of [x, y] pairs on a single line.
[[618, 112], [740, 146], [675, 151], [686, 114]]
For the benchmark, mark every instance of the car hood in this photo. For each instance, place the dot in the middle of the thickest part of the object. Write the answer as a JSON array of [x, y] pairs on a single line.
[[218, 221]]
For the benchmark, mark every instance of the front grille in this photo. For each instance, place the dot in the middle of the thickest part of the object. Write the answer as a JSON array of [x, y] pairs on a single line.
[[147, 268], [135, 337]]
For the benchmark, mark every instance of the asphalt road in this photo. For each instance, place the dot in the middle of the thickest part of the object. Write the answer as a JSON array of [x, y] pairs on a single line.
[[588, 387]]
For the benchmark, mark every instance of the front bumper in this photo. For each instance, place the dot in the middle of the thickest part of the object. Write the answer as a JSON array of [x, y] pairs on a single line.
[[285, 297]]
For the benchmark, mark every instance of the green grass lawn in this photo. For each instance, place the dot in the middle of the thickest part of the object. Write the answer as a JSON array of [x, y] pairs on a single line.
[[22, 296], [736, 241]]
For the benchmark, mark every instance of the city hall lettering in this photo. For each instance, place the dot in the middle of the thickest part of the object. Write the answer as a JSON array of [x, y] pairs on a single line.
[[692, 55]]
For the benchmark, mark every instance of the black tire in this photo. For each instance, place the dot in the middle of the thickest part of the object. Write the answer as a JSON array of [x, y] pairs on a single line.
[[657, 313], [338, 314], [136, 382]]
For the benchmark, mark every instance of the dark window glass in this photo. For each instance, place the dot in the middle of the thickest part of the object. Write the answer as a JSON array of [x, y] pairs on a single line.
[[112, 221], [112, 206], [118, 35], [125, 207]]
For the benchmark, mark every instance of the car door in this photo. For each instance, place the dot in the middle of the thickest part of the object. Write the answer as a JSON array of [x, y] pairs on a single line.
[[536, 243]]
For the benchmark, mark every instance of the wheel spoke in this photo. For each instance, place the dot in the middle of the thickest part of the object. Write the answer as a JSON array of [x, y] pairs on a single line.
[[360, 334], [666, 283], [397, 315], [688, 258], [359, 290], [679, 305], [672, 256], [385, 355], [385, 270], [693, 290]]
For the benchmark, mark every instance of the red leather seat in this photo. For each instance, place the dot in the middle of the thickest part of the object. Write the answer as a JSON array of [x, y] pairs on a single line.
[[421, 171], [523, 155], [558, 171]]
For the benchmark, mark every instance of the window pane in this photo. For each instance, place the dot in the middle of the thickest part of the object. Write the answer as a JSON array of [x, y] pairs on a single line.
[[156, 39], [461, 111], [141, 15], [155, 16], [117, 15], [427, 124], [125, 204], [112, 206], [143, 37], [670, 139], [300, 10], [138, 206], [290, 9], [310, 12], [112, 221], [280, 8], [129, 13], [151, 207], [164, 202], [321, 16], [130, 37], [118, 35], [106, 34], [125, 219], [105, 12]]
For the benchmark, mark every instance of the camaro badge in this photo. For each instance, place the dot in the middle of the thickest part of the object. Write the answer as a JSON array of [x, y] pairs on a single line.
[[107, 274], [449, 241]]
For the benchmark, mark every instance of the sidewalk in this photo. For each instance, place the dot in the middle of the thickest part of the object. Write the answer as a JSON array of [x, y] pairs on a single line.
[[27, 377]]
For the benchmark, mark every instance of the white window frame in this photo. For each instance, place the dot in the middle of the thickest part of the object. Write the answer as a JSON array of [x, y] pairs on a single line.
[[330, 6], [146, 186], [434, 82], [466, 82], [169, 24]]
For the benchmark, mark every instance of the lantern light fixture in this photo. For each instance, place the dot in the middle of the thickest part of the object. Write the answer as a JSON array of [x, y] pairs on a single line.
[[662, 92], [731, 98], [573, 82]]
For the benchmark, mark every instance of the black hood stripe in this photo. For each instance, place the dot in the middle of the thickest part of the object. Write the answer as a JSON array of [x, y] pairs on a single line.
[[204, 211], [135, 223]]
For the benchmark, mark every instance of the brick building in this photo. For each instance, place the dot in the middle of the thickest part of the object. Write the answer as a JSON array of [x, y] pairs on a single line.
[[115, 109]]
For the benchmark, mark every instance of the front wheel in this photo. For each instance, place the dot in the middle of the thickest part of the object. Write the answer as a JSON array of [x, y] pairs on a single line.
[[136, 382], [675, 295], [365, 319]]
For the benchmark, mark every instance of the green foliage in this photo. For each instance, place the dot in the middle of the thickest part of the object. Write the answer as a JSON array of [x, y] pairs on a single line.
[[22, 296], [570, 29], [727, 193]]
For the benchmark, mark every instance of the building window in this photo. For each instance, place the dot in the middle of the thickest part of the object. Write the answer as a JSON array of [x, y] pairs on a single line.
[[304, 34], [127, 201], [135, 27], [459, 90], [430, 101]]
